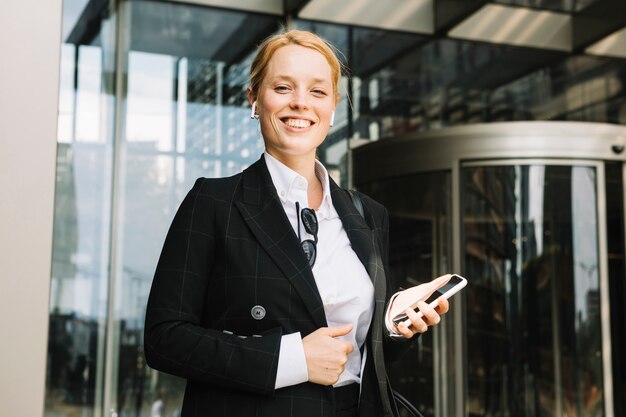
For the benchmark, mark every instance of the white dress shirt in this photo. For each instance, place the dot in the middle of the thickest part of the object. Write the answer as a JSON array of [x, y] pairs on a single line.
[[342, 280]]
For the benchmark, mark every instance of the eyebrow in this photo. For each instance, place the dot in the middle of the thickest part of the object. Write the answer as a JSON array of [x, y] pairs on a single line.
[[290, 78]]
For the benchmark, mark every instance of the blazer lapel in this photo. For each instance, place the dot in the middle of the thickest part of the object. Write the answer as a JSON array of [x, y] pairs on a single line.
[[360, 234], [263, 212]]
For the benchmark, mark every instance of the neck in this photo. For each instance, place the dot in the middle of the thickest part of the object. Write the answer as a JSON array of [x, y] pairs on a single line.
[[305, 166], [302, 164]]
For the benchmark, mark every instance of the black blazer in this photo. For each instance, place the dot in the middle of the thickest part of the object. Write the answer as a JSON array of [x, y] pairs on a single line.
[[232, 279]]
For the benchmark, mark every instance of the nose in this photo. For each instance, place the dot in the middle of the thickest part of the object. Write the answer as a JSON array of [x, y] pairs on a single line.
[[299, 100]]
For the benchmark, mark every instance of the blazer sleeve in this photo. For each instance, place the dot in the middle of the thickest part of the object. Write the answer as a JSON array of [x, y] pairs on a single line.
[[176, 339]]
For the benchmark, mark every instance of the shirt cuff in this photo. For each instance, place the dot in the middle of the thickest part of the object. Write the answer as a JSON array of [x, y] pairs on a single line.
[[292, 367], [392, 332]]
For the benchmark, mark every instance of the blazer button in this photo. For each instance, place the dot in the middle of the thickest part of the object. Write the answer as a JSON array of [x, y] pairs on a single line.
[[258, 312]]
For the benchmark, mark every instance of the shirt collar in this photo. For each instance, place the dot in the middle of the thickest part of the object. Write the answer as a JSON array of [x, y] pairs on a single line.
[[291, 186], [326, 208]]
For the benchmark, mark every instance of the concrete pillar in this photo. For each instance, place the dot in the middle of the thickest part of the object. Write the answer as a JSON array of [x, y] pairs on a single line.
[[30, 42]]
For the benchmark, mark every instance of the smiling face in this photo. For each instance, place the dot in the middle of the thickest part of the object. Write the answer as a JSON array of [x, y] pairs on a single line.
[[295, 101]]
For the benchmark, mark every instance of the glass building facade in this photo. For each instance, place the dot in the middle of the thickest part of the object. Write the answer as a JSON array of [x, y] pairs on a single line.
[[153, 95]]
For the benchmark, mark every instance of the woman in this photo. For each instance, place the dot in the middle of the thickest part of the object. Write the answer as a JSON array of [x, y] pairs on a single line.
[[270, 294]]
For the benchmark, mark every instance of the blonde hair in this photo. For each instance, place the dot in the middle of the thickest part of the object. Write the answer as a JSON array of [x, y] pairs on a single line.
[[293, 37]]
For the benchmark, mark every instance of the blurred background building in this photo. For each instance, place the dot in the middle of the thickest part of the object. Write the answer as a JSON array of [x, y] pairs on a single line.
[[494, 131]]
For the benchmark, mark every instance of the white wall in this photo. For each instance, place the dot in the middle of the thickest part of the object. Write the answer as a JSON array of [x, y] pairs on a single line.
[[30, 40]]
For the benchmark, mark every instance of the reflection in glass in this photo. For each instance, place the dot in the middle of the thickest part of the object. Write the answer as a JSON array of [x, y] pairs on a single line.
[[405, 83], [533, 326], [80, 255], [419, 228]]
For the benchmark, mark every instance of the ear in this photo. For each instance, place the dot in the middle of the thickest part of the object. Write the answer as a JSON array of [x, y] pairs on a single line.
[[251, 95]]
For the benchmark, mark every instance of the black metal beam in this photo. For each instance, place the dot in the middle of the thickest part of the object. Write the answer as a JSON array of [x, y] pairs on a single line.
[[195, 32], [597, 21], [373, 49], [250, 32], [293, 7], [88, 25], [449, 13]]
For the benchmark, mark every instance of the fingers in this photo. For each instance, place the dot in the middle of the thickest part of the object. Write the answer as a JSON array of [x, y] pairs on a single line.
[[418, 321], [442, 306], [405, 298], [336, 331], [326, 355], [428, 316], [405, 330]]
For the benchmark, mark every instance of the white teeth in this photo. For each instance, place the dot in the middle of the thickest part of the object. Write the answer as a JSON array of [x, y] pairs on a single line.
[[300, 123]]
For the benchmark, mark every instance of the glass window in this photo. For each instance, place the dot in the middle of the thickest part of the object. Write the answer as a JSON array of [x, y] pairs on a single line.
[[419, 250], [533, 307]]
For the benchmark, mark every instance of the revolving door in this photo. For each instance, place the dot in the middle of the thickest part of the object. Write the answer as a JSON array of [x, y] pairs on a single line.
[[532, 214]]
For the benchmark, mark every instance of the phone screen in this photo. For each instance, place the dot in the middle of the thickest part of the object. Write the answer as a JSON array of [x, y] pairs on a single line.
[[454, 280]]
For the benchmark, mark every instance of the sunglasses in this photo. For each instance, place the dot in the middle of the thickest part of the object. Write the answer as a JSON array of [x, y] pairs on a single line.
[[309, 220]]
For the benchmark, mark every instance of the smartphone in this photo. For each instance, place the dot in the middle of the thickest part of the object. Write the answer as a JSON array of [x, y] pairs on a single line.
[[447, 290]]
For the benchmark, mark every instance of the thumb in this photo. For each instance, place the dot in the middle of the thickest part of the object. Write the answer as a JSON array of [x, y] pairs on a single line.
[[342, 330]]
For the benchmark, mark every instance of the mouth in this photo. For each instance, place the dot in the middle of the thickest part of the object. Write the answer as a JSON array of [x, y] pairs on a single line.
[[297, 123]]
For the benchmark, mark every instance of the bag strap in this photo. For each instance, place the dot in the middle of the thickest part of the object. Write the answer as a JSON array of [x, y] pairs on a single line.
[[404, 403], [399, 398], [389, 405], [356, 200]]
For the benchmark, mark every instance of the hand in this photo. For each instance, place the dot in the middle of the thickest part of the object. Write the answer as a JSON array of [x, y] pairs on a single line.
[[407, 297], [326, 356], [431, 317]]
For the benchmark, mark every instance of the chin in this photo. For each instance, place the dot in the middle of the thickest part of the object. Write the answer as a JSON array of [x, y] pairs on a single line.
[[300, 144]]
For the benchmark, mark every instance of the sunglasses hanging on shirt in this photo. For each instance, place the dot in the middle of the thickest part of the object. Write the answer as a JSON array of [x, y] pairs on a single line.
[[309, 221]]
